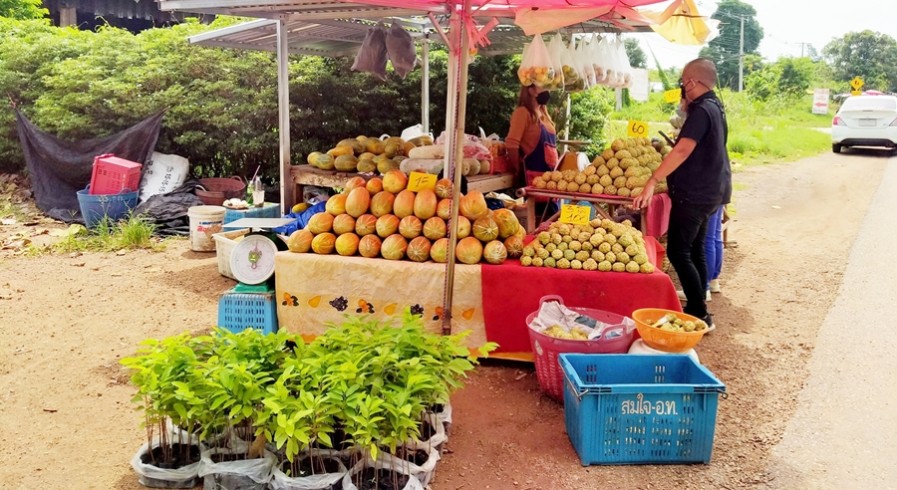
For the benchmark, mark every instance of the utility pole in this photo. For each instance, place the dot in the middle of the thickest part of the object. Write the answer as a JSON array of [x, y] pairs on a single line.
[[741, 58]]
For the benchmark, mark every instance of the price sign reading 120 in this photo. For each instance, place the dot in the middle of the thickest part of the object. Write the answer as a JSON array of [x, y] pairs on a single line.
[[419, 181], [636, 129], [575, 215]]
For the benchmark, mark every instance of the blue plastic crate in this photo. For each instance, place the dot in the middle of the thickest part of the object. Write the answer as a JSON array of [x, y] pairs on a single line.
[[628, 409], [239, 311]]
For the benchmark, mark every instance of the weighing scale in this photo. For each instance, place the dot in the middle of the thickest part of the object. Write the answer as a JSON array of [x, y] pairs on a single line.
[[252, 259]]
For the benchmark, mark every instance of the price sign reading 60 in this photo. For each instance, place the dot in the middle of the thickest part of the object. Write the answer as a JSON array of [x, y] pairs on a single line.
[[637, 129]]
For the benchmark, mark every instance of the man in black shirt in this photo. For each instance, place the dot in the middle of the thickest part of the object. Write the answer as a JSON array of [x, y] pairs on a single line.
[[699, 179]]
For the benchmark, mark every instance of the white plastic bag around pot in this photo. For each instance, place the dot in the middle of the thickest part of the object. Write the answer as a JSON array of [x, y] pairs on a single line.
[[423, 472], [349, 480], [246, 474], [280, 480], [183, 477], [436, 439]]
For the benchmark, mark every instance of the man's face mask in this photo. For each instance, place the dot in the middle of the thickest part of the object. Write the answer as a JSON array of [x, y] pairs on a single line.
[[543, 97]]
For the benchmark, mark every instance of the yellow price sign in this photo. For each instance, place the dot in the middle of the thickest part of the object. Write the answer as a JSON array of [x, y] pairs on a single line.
[[637, 129], [856, 92], [573, 214], [672, 96], [419, 181]]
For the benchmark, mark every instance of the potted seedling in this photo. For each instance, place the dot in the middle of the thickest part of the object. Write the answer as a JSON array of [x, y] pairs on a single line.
[[170, 457], [298, 417], [234, 383]]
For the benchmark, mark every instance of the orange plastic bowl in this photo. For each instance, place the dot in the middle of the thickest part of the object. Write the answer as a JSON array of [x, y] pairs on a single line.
[[663, 339]]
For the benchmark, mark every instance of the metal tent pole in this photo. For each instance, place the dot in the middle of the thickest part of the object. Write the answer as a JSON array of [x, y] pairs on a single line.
[[283, 109], [425, 85], [460, 58]]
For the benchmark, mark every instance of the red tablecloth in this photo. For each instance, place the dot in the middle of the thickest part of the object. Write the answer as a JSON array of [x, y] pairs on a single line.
[[658, 215], [511, 292]]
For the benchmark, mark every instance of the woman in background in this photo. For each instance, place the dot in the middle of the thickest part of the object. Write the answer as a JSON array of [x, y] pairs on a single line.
[[532, 138]]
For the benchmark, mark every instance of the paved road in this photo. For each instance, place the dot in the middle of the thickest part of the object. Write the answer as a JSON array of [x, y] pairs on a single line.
[[844, 433]]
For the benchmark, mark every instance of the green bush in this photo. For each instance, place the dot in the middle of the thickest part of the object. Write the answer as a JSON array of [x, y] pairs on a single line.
[[221, 104]]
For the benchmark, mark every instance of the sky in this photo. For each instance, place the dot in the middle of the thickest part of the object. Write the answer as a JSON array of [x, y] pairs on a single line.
[[786, 24]]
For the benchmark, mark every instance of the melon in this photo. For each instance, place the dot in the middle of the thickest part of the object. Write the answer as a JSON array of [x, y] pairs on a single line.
[[444, 188], [323, 243], [357, 146], [320, 223], [374, 185], [387, 225], [439, 250], [394, 247], [369, 246], [473, 205], [418, 249], [373, 145], [425, 204], [469, 250], [485, 229], [353, 183], [343, 224], [385, 164], [300, 241], [434, 228], [340, 151], [507, 222], [365, 224], [395, 181], [336, 204], [366, 166], [495, 252], [404, 204], [463, 227], [514, 245], [444, 209], [358, 201], [347, 244], [410, 227], [382, 203]]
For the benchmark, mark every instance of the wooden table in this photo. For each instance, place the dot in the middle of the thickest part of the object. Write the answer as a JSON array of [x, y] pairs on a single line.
[[303, 175], [611, 201]]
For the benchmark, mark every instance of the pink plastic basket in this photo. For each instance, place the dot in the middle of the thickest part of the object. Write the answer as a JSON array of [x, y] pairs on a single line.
[[546, 349]]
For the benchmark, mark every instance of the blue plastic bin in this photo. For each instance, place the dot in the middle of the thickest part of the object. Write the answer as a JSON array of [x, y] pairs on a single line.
[[239, 311], [652, 409], [115, 206]]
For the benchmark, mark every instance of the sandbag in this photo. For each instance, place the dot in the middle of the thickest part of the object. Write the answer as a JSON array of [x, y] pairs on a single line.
[[163, 173]]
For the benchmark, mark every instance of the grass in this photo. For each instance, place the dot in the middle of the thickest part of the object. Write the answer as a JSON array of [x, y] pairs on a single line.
[[133, 233], [759, 132]]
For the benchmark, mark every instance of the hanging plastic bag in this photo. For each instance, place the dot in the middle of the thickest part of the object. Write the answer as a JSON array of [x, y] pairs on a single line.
[[536, 67], [556, 53], [573, 81], [400, 47], [371, 58], [625, 65], [584, 62], [598, 54]]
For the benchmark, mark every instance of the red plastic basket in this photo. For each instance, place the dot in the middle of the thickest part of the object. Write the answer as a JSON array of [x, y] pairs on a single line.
[[112, 175], [546, 349]]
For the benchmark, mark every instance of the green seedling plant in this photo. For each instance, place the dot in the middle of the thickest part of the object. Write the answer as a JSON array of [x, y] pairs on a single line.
[[158, 371]]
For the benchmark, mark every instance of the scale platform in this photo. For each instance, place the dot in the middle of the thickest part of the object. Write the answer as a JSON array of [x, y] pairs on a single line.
[[259, 223]]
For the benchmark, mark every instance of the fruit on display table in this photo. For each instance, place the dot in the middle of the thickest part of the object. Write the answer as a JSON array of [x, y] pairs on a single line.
[[602, 245], [366, 154], [621, 170], [396, 223]]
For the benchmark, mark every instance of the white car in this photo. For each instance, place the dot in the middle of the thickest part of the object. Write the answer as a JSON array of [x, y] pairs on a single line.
[[865, 120]]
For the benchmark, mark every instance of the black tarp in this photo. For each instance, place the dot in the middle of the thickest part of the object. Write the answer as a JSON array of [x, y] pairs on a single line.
[[59, 168]]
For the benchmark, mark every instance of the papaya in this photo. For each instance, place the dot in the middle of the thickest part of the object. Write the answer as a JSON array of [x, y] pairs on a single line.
[[340, 151], [366, 166], [357, 146], [320, 160], [374, 145], [346, 163]]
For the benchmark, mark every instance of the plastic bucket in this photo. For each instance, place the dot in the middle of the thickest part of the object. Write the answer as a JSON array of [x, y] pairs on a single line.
[[205, 221], [115, 206]]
